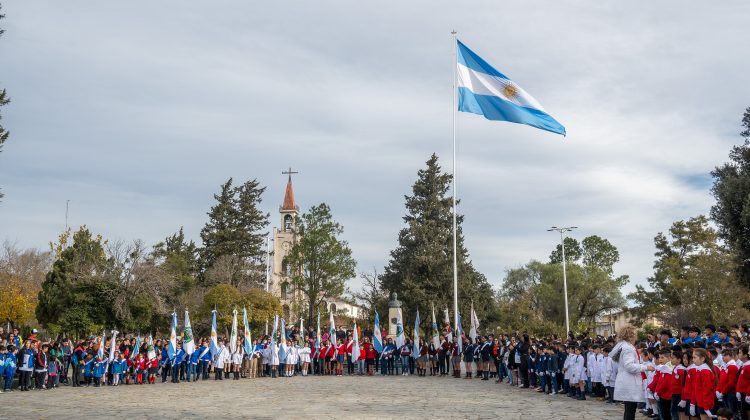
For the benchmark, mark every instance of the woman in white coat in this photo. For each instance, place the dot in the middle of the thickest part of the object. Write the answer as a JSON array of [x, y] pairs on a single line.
[[630, 372]]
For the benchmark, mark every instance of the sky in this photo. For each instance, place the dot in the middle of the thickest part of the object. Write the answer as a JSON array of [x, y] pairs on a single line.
[[138, 111]]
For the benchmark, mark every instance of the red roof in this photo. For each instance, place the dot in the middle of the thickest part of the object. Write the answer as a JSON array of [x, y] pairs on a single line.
[[289, 203]]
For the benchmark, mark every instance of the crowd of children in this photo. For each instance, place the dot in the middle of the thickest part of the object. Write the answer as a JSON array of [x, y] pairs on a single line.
[[691, 376]]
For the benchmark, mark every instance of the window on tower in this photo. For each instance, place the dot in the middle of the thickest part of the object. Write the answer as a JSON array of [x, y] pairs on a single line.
[[287, 222]]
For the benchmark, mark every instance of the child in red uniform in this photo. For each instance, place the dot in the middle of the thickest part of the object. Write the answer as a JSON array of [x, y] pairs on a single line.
[[370, 355], [678, 378], [704, 385], [687, 386], [727, 379], [663, 390], [743, 380]]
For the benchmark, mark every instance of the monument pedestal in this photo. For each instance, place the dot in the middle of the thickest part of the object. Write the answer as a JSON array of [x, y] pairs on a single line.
[[394, 307]]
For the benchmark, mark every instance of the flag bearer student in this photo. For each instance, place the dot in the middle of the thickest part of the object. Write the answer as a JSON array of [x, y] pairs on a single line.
[[219, 360], [166, 363], [204, 360], [237, 357], [283, 350], [476, 365], [443, 353], [424, 359], [9, 367], [273, 359], [117, 368], [432, 356], [304, 358], [140, 368], [348, 345], [192, 365], [388, 361], [88, 369], [256, 358], [725, 390], [99, 366], [468, 358], [266, 358], [485, 354], [291, 360], [178, 368]]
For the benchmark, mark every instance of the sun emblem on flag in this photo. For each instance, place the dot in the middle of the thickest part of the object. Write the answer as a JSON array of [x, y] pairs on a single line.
[[510, 90]]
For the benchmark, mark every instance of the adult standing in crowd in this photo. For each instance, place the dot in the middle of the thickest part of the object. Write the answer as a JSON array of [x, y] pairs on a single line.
[[630, 372]]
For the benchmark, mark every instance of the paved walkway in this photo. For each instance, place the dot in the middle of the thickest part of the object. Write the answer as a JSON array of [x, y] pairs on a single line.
[[395, 397]]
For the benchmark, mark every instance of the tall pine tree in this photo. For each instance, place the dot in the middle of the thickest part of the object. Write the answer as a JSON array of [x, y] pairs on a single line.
[[4, 100], [233, 236], [421, 267]]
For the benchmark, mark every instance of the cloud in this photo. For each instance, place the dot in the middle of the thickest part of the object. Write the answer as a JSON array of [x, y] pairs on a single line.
[[138, 111]]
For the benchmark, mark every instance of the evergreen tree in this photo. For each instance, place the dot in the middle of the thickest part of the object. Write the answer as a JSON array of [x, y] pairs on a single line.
[[76, 293], [4, 100], [233, 236], [179, 260], [322, 263], [421, 267], [732, 209]]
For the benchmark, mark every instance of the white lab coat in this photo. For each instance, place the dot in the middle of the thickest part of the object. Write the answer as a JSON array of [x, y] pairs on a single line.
[[220, 357], [629, 383]]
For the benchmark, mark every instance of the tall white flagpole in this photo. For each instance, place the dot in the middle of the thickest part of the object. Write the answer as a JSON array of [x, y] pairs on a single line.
[[455, 254]]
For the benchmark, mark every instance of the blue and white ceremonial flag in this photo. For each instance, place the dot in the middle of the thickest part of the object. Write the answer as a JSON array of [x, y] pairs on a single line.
[[485, 91], [214, 344], [233, 334], [112, 346], [283, 332], [332, 331], [188, 342], [400, 339], [150, 350], [100, 352], [474, 325], [172, 349], [415, 345], [435, 331], [275, 327], [136, 348], [460, 335], [377, 341], [317, 336], [248, 345]]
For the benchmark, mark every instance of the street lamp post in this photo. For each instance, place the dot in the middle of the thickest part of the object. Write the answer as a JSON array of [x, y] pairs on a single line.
[[562, 231]]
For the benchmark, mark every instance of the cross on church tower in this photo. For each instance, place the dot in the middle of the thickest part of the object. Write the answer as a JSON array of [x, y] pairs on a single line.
[[290, 173]]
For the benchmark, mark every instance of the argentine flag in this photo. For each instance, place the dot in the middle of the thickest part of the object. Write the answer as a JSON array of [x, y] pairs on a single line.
[[172, 349], [485, 91], [248, 343], [214, 343], [377, 338]]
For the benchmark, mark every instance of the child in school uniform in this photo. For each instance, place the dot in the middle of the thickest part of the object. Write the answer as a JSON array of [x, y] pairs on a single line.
[[663, 388], [578, 376], [725, 390], [98, 371], [88, 369], [117, 371], [9, 368], [609, 375], [704, 385], [647, 357], [742, 388], [678, 378], [568, 372], [596, 367], [53, 370]]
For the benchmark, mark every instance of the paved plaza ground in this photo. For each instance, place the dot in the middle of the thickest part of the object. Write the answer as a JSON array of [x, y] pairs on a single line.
[[395, 397]]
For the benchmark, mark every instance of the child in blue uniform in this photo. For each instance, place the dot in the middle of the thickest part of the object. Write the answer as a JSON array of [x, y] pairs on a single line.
[[9, 369], [98, 371]]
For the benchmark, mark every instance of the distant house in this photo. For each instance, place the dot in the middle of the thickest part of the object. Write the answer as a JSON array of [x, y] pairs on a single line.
[[609, 323], [352, 310]]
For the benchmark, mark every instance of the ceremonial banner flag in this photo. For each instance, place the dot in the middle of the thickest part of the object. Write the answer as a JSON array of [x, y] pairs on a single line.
[[100, 352], [214, 345], [400, 339], [248, 345], [136, 347], [112, 346], [435, 331], [172, 349], [332, 331], [188, 343], [485, 91], [474, 325], [355, 346], [415, 344], [233, 336], [150, 350], [449, 334], [377, 341], [317, 336], [282, 337], [275, 326]]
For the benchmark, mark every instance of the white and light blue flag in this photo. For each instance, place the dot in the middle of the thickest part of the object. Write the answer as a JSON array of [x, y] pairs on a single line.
[[400, 339], [188, 342], [214, 344], [248, 344], [485, 91], [415, 344], [377, 341], [172, 349], [233, 334]]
